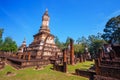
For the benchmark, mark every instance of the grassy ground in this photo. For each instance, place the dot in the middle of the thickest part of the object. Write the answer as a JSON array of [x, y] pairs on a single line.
[[83, 66], [44, 74]]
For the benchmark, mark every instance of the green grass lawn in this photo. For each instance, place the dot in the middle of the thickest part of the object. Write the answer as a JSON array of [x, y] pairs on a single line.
[[83, 66], [44, 74]]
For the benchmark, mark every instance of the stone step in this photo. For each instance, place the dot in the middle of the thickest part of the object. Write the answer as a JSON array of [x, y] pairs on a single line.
[[110, 67], [13, 65], [99, 77], [110, 71], [111, 63], [19, 63], [117, 59]]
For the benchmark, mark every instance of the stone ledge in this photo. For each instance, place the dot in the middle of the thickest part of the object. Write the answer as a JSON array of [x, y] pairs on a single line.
[[98, 77]]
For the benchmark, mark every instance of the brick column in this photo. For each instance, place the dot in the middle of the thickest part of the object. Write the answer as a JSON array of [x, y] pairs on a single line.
[[97, 66], [71, 52], [24, 54], [64, 55], [64, 60], [29, 55], [100, 52], [19, 56]]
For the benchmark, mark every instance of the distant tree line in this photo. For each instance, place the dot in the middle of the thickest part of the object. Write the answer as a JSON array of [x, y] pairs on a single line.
[[93, 42], [7, 45]]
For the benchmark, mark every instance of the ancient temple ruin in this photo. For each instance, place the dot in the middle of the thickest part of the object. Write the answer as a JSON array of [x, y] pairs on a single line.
[[40, 51], [43, 45], [107, 69], [21, 48]]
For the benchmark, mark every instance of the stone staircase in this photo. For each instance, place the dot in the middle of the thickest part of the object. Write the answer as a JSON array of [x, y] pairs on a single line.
[[20, 63], [13, 65], [99, 77], [109, 70], [111, 63]]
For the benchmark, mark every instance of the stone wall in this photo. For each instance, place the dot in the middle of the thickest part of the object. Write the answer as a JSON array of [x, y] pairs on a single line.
[[19, 63], [58, 68], [84, 73], [34, 63], [98, 77], [109, 71]]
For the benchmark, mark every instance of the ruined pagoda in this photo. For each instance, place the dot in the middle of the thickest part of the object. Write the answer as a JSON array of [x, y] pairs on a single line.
[[22, 47], [40, 51], [43, 45]]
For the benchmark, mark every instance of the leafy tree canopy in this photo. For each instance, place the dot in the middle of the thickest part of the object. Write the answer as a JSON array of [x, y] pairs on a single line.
[[62, 45], [78, 48], [1, 32], [8, 44], [1, 41], [95, 42], [82, 41], [112, 30]]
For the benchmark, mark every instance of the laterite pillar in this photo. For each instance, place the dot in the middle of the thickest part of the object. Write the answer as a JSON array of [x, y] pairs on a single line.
[[65, 60], [71, 52]]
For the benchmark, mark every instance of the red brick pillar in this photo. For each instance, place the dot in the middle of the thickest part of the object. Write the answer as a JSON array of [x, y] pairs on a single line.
[[24, 54], [71, 52], [64, 60], [64, 56], [29, 55], [100, 52], [19, 55], [68, 56], [97, 62]]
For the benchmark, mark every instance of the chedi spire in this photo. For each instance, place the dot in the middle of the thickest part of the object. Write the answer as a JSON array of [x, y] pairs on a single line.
[[45, 22]]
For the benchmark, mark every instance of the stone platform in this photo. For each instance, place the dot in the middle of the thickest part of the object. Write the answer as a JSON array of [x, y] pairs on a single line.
[[99, 77], [108, 69], [21, 63]]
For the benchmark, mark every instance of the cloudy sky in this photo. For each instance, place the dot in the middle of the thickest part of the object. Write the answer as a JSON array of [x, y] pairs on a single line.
[[74, 18]]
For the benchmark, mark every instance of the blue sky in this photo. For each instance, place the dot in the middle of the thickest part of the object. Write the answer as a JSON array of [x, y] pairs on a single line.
[[73, 18]]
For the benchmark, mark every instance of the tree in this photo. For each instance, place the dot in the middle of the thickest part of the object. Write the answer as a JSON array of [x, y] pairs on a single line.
[[61, 45], [78, 40], [95, 42], [1, 32], [78, 48], [80, 45], [112, 30], [1, 41], [82, 41], [66, 44], [57, 42], [9, 45]]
